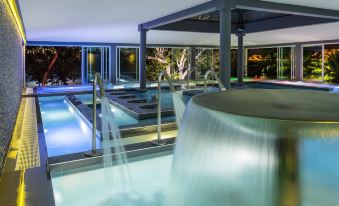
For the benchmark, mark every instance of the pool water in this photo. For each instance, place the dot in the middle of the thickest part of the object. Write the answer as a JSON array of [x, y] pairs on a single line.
[[122, 117], [150, 176], [166, 97], [65, 132]]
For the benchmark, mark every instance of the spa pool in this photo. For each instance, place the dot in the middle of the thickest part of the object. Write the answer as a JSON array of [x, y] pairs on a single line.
[[87, 186]]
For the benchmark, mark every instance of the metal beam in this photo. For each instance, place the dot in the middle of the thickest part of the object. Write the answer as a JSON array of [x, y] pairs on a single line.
[[276, 23], [286, 9], [194, 26], [184, 14], [284, 22], [142, 59]]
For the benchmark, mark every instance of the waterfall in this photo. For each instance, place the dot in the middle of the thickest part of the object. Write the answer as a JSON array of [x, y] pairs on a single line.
[[179, 106], [112, 144], [238, 149], [216, 163], [119, 185]]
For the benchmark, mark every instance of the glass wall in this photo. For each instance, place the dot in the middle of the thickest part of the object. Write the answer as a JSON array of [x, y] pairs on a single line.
[[96, 60], [158, 59], [285, 63], [331, 63], [175, 61], [128, 64], [262, 63], [52, 66], [312, 61], [207, 58], [179, 62]]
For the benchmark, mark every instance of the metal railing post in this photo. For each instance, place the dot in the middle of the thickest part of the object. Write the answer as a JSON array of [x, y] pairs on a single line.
[[207, 74], [159, 141], [94, 152]]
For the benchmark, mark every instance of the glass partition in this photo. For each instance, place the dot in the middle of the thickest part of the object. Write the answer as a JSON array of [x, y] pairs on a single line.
[[331, 57], [179, 63], [285, 63], [96, 60], [262, 63], [312, 62], [128, 64], [52, 65], [158, 59]]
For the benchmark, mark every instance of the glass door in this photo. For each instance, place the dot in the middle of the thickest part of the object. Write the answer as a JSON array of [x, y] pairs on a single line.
[[96, 60], [285, 63], [128, 64]]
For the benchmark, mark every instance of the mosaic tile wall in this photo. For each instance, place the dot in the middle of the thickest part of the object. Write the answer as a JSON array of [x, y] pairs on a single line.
[[10, 77]]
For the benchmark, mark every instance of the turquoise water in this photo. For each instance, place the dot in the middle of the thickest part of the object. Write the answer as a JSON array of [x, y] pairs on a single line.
[[65, 132], [150, 176], [122, 117]]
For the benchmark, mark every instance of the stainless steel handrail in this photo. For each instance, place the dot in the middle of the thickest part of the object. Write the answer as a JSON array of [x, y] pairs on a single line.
[[215, 75], [96, 80], [164, 74]]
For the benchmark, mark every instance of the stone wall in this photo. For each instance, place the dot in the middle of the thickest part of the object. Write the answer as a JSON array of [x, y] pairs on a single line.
[[10, 77]]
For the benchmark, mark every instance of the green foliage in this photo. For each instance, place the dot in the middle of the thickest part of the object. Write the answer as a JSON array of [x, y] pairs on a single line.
[[312, 65], [157, 60], [332, 68]]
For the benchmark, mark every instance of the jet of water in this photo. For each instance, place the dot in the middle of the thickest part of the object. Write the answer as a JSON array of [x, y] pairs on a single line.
[[179, 106], [112, 144]]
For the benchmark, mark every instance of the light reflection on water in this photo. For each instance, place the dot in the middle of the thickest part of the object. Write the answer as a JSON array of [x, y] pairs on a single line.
[[67, 133]]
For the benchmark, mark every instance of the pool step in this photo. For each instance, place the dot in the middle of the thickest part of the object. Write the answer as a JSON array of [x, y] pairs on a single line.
[[67, 164]]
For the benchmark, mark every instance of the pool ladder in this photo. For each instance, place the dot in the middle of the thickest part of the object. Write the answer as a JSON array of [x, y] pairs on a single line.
[[216, 77], [96, 80], [164, 74]]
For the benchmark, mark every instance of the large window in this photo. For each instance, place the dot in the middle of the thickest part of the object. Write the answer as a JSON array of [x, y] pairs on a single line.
[[331, 57], [262, 63], [128, 64], [206, 59], [53, 66], [179, 63], [312, 61], [285, 63], [96, 61], [175, 61]]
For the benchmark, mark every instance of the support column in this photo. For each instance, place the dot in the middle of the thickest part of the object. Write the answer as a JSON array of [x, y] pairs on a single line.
[[142, 59], [299, 62], [240, 61], [192, 61], [225, 46], [83, 64], [113, 64]]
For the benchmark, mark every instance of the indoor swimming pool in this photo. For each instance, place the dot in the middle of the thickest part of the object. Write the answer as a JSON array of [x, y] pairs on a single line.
[[85, 186], [58, 116], [65, 132]]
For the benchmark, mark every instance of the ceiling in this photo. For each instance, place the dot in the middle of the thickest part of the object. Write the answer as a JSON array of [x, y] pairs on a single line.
[[117, 21]]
